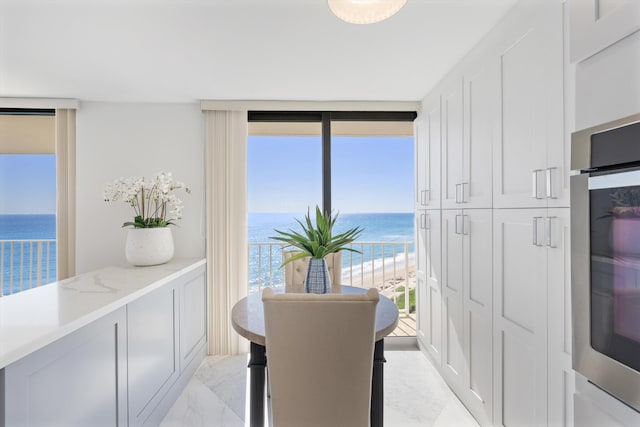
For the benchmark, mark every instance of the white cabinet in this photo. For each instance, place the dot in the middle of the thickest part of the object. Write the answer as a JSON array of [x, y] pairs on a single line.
[[428, 277], [530, 156], [427, 131], [503, 338], [79, 380], [520, 317], [560, 371], [531, 278], [470, 111], [481, 127], [467, 308], [452, 145], [597, 24], [152, 354], [193, 318]]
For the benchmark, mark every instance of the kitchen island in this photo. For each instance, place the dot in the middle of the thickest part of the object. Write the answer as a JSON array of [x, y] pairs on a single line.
[[114, 346]]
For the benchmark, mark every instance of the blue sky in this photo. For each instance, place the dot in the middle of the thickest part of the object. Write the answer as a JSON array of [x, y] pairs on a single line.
[[27, 183], [372, 174], [369, 174]]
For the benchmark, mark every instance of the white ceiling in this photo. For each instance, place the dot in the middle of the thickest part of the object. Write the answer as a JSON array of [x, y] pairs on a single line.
[[186, 50]]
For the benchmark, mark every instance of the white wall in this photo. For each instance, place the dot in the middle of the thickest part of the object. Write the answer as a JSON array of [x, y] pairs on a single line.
[[119, 140]]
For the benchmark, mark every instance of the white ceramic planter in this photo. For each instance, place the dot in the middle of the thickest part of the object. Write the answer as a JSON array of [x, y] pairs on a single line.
[[149, 246]]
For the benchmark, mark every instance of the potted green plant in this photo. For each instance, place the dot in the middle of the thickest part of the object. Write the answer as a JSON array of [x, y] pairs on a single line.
[[317, 241]]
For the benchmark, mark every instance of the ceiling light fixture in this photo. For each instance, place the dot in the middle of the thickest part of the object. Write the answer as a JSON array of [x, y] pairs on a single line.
[[365, 11]]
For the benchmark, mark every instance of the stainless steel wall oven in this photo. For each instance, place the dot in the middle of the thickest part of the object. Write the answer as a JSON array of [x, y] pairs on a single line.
[[605, 256]]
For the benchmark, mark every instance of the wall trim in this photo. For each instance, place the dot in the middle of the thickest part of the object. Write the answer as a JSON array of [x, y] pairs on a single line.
[[246, 105], [10, 102]]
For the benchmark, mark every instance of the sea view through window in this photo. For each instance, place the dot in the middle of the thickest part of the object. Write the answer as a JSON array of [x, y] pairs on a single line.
[[27, 221], [371, 187]]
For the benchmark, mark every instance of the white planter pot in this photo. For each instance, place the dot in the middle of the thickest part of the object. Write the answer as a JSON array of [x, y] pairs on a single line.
[[149, 246]]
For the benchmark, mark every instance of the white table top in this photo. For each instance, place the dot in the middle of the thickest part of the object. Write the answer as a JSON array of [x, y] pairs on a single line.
[[247, 315], [34, 318]]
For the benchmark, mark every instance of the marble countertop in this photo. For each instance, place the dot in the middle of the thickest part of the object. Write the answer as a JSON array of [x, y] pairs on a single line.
[[32, 319]]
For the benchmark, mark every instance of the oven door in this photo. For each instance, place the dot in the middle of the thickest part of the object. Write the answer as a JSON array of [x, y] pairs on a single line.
[[605, 263]]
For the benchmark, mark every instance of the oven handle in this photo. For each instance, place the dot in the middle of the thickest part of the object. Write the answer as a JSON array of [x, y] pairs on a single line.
[[614, 180]]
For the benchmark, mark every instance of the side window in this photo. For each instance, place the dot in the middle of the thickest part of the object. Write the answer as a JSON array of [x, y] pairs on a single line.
[[27, 200]]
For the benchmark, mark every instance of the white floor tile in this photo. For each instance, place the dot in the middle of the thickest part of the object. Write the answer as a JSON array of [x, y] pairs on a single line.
[[415, 395]]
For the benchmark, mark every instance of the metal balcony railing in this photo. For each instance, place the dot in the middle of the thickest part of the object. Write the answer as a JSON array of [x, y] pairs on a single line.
[[26, 264], [388, 266]]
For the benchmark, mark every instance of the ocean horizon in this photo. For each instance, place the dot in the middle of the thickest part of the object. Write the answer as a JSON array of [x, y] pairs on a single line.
[[377, 227]]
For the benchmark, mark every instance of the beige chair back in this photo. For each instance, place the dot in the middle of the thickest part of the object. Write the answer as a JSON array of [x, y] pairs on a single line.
[[320, 357], [296, 271]]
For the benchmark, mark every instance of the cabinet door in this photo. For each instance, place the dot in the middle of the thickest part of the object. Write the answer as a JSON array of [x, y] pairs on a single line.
[[152, 335], [421, 141], [427, 130], [478, 302], [520, 317], [78, 380], [452, 145], [597, 24], [453, 363], [520, 157], [558, 166], [193, 316], [482, 109], [561, 374], [428, 247]]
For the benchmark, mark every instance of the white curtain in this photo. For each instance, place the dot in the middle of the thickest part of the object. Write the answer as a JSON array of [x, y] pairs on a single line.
[[226, 207], [66, 192]]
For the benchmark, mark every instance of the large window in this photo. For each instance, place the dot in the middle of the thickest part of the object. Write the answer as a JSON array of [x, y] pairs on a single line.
[[359, 165]]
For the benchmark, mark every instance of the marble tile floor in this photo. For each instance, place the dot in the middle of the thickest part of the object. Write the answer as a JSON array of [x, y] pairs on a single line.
[[415, 395]]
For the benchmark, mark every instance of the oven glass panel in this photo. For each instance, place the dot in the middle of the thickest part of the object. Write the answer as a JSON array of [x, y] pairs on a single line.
[[615, 272]]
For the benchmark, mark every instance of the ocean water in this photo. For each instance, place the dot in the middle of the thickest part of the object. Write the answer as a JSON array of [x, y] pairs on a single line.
[[20, 270], [378, 227], [263, 266]]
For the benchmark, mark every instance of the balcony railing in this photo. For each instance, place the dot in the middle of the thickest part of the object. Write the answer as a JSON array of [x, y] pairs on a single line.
[[26, 264], [388, 266]]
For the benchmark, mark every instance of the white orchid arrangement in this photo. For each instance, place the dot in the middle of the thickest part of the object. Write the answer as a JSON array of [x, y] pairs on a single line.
[[152, 201]]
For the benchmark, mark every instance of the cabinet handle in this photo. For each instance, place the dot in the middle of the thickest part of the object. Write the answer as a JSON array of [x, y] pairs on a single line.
[[423, 197], [535, 184], [535, 231], [549, 184], [464, 194], [549, 232], [457, 228], [457, 193], [423, 221], [465, 229]]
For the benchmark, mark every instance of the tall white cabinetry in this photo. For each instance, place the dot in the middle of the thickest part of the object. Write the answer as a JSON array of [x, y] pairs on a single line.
[[530, 320], [531, 156], [500, 330], [467, 307], [428, 235]]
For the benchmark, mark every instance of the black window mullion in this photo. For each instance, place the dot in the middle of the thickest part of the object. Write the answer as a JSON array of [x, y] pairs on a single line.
[[326, 161]]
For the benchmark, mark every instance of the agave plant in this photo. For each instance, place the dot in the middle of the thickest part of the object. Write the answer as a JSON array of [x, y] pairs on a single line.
[[318, 241]]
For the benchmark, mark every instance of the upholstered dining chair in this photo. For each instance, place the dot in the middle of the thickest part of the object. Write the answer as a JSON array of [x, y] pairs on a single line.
[[320, 357], [296, 271]]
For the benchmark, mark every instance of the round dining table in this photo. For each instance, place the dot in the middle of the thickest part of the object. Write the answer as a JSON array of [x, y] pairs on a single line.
[[247, 318]]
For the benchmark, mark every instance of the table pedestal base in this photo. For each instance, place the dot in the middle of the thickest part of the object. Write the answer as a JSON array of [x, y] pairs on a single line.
[[257, 365]]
